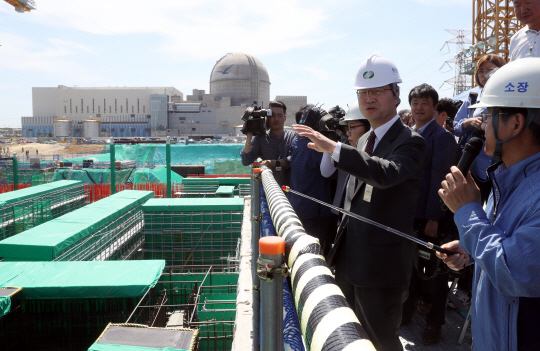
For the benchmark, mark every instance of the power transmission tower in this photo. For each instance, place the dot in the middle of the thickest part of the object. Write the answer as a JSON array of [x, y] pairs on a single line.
[[461, 80], [494, 24]]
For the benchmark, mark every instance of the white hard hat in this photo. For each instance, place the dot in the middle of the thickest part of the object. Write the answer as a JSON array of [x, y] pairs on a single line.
[[353, 114], [376, 72], [516, 84]]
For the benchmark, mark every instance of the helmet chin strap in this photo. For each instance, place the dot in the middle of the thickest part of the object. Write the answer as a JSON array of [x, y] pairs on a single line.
[[497, 155]]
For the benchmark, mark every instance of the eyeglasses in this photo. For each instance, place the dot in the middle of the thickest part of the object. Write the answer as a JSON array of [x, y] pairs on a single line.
[[485, 117], [485, 71], [351, 128], [375, 92]]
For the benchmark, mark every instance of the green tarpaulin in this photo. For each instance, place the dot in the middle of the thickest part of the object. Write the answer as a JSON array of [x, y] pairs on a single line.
[[73, 280], [219, 158], [193, 204], [5, 305], [103, 176], [111, 347], [48, 240], [34, 191]]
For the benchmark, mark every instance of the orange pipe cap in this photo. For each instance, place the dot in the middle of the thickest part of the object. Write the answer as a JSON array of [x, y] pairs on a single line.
[[271, 245]]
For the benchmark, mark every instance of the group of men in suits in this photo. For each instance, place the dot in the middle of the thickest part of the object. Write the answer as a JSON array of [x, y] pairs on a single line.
[[374, 266]]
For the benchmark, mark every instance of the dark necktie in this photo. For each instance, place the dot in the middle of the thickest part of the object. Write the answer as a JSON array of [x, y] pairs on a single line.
[[370, 145]]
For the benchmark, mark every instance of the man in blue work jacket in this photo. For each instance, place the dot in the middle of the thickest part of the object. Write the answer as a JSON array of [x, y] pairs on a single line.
[[503, 240]]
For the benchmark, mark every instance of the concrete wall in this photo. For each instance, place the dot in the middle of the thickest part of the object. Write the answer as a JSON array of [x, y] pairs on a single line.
[[82, 103]]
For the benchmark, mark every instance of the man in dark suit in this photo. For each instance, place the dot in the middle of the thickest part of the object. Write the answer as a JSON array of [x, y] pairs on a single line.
[[385, 172], [430, 220]]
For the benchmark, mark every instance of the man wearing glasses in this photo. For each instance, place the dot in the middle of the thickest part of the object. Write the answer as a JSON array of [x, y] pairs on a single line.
[[385, 173], [503, 239], [442, 153], [356, 126]]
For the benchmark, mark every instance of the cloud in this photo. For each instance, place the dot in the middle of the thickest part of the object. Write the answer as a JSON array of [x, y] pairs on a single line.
[[52, 56], [197, 29]]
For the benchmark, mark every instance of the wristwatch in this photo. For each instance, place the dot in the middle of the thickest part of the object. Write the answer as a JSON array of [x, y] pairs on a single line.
[[278, 163]]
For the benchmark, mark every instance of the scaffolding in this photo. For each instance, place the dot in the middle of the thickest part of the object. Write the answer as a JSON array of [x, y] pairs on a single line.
[[494, 24], [207, 187], [66, 305], [193, 234], [26, 208], [109, 229], [206, 302]]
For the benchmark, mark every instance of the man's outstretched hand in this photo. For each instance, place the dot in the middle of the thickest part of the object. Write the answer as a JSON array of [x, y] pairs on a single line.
[[318, 141]]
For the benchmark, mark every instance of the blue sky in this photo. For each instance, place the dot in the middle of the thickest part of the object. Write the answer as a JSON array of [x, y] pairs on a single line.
[[309, 48]]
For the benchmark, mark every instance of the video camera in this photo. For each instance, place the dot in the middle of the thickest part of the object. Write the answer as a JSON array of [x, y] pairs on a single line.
[[329, 123], [255, 120]]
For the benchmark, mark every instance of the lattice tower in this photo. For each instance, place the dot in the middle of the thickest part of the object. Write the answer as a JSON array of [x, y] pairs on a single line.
[[494, 24], [461, 81]]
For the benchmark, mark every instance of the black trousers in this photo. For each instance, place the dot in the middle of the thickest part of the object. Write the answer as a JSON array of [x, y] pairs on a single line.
[[434, 291], [318, 228], [378, 309]]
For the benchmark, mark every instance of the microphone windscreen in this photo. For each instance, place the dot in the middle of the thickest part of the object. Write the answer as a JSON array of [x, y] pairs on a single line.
[[474, 146]]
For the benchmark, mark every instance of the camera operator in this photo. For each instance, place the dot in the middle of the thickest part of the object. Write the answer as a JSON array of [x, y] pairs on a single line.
[[274, 146], [503, 239]]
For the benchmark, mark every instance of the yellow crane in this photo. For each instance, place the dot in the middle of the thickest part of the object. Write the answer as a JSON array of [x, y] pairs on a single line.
[[494, 24], [22, 5]]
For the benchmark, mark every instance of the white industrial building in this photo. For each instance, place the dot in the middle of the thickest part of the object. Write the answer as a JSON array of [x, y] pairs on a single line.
[[236, 81]]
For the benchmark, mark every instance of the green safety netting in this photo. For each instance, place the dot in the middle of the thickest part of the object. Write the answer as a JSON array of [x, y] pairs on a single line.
[[25, 175], [26, 208], [77, 280], [5, 305], [50, 239], [156, 175], [193, 205], [35, 191], [112, 347], [219, 158], [103, 176], [195, 232]]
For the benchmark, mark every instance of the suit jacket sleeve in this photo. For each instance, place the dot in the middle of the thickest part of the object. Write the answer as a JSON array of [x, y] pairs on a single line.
[[444, 154], [405, 161]]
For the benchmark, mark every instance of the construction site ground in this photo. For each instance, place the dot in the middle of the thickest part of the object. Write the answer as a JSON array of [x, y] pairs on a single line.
[[51, 149]]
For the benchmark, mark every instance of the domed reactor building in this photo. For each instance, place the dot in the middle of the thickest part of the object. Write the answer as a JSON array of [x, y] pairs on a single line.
[[236, 81], [241, 77]]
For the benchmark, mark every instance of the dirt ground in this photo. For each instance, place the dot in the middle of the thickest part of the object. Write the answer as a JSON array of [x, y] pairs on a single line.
[[49, 149]]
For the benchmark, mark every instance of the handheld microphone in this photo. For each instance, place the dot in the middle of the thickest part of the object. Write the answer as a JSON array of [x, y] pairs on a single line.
[[470, 153]]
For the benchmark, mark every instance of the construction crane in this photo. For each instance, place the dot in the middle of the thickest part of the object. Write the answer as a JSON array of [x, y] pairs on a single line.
[[22, 5]]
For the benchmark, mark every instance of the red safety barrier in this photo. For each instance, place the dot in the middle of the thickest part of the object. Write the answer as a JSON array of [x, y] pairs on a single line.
[[96, 192], [4, 188]]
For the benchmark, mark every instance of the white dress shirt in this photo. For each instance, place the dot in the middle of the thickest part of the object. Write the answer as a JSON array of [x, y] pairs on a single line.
[[525, 43], [379, 134]]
